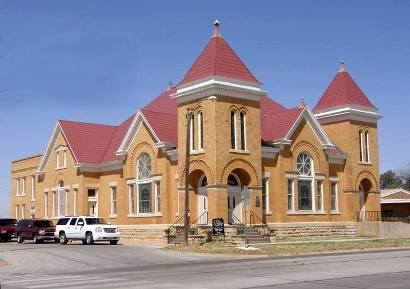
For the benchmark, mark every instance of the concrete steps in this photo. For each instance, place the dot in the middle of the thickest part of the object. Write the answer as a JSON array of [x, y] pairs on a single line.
[[253, 236]]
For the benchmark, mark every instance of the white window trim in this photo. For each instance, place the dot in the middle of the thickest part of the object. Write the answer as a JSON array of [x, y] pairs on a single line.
[[23, 211], [33, 188], [361, 146], [66, 205], [191, 133], [57, 160], [200, 132], [293, 194], [131, 188], [235, 131], [336, 211], [46, 205], [112, 213], [366, 134], [17, 187], [142, 182], [23, 191], [317, 193], [54, 211], [75, 200], [17, 211], [244, 133], [267, 207], [157, 185], [64, 159]]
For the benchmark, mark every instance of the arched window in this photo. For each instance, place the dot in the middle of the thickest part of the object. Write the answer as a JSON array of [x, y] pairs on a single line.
[[233, 130], [361, 151], [200, 131], [144, 186], [233, 181], [192, 133], [305, 182], [204, 182], [144, 166], [366, 144], [304, 164], [243, 130]]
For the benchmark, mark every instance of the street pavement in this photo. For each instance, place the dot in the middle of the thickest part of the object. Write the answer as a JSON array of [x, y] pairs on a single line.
[[129, 266]]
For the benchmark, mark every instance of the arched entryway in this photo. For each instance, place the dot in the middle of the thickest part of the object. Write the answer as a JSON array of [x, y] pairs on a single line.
[[234, 199], [202, 201], [364, 189]]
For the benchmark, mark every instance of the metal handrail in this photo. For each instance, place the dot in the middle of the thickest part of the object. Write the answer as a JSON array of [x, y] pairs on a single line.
[[252, 217], [172, 230], [196, 220], [240, 226]]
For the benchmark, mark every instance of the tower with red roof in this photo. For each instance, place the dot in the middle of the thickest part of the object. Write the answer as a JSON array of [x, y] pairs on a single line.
[[350, 119]]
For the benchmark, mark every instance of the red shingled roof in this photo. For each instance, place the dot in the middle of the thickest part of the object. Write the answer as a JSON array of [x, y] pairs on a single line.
[[276, 126], [218, 59], [88, 141], [343, 90], [161, 114]]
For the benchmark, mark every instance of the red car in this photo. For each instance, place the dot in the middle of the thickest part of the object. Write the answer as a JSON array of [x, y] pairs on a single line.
[[7, 229], [35, 230]]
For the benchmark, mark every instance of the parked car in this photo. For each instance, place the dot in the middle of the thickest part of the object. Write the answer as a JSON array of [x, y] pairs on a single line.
[[7, 229], [87, 229], [35, 230]]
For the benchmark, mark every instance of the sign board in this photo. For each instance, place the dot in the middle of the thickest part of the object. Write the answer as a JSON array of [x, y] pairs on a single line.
[[218, 228], [245, 196]]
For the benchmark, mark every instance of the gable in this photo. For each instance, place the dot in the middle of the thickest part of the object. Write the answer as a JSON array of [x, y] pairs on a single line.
[[316, 128], [57, 143]]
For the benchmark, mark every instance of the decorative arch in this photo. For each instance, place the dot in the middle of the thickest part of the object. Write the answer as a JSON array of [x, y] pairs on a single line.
[[200, 165], [139, 149], [240, 164], [366, 175], [304, 146], [58, 178]]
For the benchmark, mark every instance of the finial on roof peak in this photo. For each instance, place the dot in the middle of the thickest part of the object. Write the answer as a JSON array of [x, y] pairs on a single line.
[[169, 85], [342, 66], [217, 29], [302, 103]]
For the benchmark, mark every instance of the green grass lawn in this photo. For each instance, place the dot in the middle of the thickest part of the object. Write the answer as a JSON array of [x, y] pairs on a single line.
[[290, 249]]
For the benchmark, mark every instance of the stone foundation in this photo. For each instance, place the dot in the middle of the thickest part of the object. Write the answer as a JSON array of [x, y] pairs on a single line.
[[300, 230], [144, 232]]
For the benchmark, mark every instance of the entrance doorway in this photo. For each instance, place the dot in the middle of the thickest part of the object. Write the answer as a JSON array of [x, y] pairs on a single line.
[[203, 201], [362, 213], [234, 200]]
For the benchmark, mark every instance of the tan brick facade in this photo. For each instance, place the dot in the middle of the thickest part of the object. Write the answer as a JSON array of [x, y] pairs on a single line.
[[334, 190]]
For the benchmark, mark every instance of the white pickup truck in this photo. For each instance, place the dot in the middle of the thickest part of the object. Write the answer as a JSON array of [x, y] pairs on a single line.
[[85, 228]]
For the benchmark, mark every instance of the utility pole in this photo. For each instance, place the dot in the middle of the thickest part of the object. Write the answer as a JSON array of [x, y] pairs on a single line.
[[187, 151]]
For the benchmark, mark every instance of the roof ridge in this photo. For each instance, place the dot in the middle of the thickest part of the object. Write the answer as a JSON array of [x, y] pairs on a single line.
[[90, 123], [143, 109]]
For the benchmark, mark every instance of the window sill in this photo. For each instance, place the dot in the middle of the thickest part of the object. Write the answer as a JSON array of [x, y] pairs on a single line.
[[306, 213], [62, 168], [365, 163], [199, 152], [147, 215], [268, 213], [32, 200], [22, 195], [335, 213], [112, 216], [241, 152]]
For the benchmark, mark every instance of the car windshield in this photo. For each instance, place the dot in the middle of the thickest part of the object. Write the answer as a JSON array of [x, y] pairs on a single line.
[[43, 224], [95, 221], [8, 222]]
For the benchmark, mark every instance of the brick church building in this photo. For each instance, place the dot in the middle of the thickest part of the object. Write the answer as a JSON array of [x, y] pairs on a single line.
[[304, 167]]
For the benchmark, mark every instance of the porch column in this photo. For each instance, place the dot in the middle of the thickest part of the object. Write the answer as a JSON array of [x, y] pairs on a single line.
[[217, 202]]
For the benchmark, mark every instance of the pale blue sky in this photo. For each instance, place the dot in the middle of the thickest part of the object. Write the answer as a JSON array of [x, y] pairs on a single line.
[[98, 61]]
